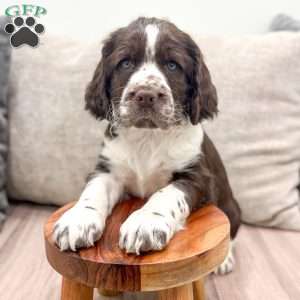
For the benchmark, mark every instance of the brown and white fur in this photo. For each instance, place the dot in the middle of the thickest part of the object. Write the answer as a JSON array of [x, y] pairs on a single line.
[[153, 87]]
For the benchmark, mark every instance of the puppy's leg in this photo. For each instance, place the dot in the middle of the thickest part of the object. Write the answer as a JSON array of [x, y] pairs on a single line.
[[83, 224], [232, 210], [228, 264], [152, 226]]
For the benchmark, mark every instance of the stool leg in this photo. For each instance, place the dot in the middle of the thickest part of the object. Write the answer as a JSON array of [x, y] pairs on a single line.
[[198, 287], [184, 292], [108, 293], [72, 290]]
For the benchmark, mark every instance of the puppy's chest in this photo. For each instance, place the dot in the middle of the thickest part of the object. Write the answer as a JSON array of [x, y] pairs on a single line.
[[146, 162], [145, 172]]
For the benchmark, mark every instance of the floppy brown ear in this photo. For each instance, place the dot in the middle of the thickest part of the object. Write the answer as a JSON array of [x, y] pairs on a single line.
[[204, 102], [97, 94]]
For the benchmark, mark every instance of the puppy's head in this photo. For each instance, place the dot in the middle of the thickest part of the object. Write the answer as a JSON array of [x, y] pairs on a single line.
[[151, 75]]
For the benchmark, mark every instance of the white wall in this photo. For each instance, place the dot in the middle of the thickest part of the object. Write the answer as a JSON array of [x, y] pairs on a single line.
[[92, 19]]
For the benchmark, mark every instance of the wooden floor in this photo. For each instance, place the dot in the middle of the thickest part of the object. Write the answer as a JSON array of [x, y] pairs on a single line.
[[268, 263]]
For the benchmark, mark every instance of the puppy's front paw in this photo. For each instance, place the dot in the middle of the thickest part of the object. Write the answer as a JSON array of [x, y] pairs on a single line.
[[78, 227], [145, 231]]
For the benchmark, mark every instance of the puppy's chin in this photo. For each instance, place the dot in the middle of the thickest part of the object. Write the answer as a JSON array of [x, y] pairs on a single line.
[[145, 122]]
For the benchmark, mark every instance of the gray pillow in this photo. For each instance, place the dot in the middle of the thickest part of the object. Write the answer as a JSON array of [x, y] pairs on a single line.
[[284, 22], [5, 51]]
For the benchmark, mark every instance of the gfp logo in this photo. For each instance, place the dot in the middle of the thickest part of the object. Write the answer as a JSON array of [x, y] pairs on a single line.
[[24, 29]]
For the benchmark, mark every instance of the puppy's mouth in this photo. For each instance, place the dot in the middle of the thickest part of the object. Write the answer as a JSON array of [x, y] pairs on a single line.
[[148, 104], [145, 123], [145, 119]]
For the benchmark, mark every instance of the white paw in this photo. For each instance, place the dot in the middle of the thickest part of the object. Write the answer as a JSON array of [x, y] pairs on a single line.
[[227, 265], [145, 231], [78, 227]]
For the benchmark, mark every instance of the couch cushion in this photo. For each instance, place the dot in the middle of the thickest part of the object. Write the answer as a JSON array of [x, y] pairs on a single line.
[[258, 128], [5, 51], [55, 143]]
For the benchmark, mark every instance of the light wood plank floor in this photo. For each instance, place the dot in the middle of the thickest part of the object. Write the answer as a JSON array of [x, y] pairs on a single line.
[[268, 263]]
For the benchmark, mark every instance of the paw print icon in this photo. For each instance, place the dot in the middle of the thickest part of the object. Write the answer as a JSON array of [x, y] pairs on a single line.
[[24, 31]]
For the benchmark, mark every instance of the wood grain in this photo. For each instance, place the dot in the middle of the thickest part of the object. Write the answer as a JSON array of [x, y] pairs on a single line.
[[24, 270], [192, 253], [108, 293], [255, 275], [199, 290], [183, 292], [72, 290]]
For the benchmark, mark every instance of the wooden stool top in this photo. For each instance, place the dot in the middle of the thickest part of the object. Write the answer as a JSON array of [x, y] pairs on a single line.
[[191, 254]]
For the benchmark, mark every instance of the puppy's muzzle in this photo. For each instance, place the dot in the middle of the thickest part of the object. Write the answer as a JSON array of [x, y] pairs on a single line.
[[147, 97]]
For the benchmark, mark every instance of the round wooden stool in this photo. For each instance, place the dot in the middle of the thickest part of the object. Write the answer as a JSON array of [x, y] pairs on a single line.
[[176, 273]]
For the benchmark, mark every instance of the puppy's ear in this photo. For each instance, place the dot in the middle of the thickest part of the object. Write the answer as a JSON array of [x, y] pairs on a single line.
[[97, 94], [204, 100]]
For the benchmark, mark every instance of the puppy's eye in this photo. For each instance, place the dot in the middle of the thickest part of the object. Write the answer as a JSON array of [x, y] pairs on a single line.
[[172, 65], [126, 64]]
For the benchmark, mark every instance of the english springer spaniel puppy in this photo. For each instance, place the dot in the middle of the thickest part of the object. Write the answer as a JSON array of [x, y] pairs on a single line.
[[154, 89]]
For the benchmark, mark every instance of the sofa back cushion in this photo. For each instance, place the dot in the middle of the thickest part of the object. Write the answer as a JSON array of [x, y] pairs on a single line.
[[55, 143], [257, 130]]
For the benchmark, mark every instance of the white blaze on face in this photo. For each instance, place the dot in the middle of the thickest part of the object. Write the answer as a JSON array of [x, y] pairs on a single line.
[[152, 32], [148, 73]]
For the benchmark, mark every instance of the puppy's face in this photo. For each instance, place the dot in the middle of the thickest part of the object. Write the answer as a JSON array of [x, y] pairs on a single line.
[[151, 75]]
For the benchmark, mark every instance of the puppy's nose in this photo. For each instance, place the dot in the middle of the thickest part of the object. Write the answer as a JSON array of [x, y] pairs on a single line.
[[145, 97]]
